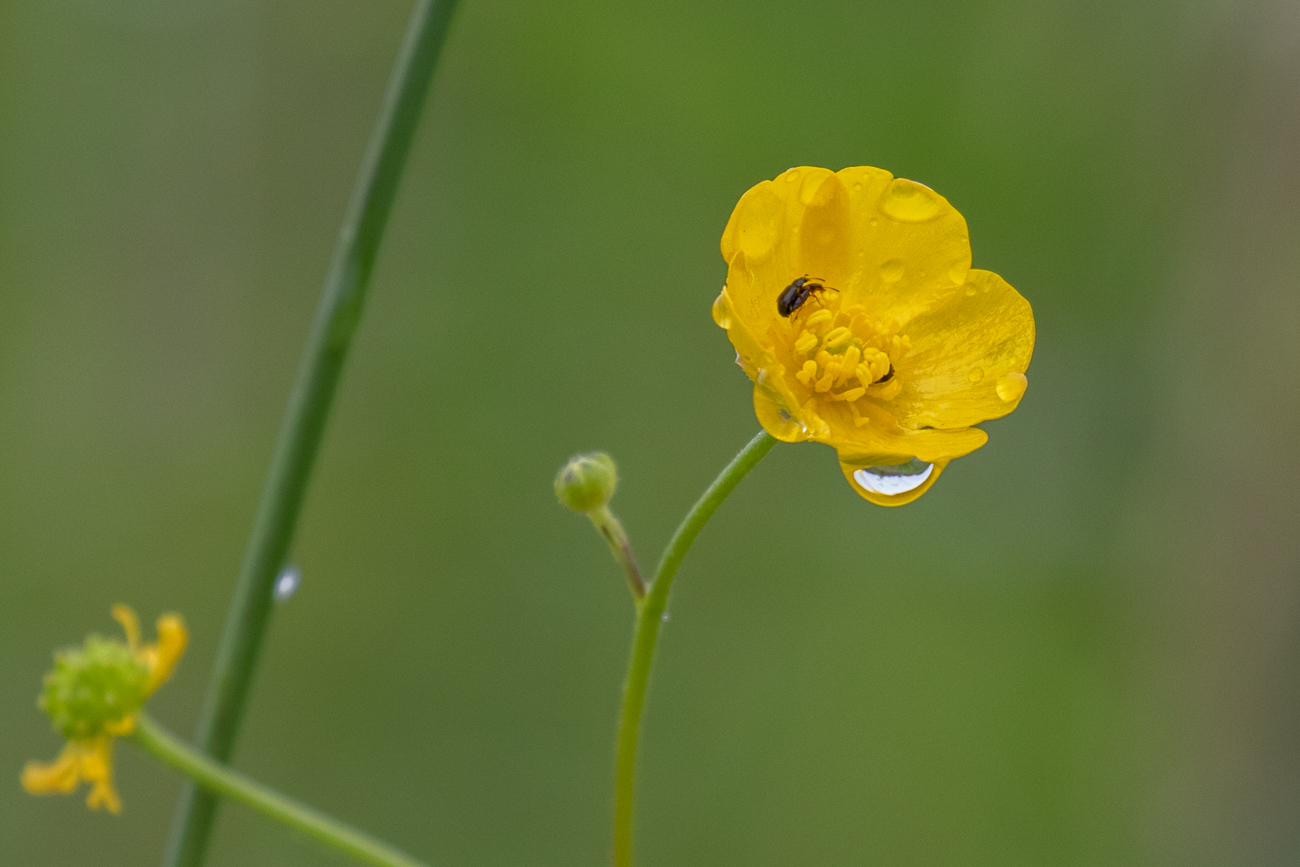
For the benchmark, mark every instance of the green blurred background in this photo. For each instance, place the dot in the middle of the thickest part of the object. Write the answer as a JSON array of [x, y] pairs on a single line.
[[1081, 648]]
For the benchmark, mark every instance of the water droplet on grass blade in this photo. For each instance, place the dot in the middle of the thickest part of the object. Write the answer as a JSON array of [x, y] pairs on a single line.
[[893, 480], [286, 584]]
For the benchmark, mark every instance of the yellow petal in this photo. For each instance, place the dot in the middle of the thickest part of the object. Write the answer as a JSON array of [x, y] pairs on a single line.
[[961, 351], [90, 761], [162, 657], [761, 227], [903, 265], [756, 223], [120, 728], [884, 443], [125, 615], [59, 777], [825, 250], [97, 769]]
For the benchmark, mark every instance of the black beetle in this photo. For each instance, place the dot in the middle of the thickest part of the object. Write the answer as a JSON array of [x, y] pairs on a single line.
[[793, 296]]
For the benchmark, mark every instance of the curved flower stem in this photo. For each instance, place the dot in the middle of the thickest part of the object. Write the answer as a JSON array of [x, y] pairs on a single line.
[[221, 780], [650, 614], [611, 530], [319, 369]]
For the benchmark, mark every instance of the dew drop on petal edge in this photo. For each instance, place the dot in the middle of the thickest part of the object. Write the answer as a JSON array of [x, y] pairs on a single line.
[[1012, 386], [894, 480]]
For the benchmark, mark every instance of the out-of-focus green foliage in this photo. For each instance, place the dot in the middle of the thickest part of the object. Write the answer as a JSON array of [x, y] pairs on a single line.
[[1080, 649]]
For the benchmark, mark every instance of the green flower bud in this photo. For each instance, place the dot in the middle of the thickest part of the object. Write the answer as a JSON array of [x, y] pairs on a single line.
[[92, 687], [587, 482]]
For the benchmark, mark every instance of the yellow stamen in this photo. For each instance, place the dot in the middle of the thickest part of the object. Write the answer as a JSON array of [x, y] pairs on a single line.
[[807, 342], [821, 317], [851, 395], [848, 365], [807, 373], [838, 337]]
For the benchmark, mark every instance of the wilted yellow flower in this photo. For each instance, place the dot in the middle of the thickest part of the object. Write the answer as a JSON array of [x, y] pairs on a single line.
[[894, 347], [93, 695]]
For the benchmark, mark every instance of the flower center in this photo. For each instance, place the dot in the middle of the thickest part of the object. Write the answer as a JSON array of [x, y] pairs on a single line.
[[842, 354]]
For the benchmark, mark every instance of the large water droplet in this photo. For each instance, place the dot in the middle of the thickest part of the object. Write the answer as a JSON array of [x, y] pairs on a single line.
[[1011, 386], [722, 310], [976, 374], [957, 274], [287, 583], [891, 271], [894, 480], [909, 202]]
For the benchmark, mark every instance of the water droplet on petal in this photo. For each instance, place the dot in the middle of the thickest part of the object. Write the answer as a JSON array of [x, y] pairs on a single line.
[[891, 271], [976, 374], [894, 480], [957, 274], [909, 202], [875, 222], [970, 291], [287, 583], [722, 310], [1011, 386]]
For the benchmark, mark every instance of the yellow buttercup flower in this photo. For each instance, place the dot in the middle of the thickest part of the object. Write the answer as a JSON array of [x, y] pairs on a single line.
[[92, 695], [885, 343]]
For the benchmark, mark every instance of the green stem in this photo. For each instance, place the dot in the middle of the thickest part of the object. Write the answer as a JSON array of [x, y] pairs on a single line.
[[221, 780], [336, 319], [649, 618], [611, 529]]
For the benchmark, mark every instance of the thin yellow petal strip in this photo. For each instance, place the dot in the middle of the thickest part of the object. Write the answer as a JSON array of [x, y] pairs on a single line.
[[88, 761], [162, 656], [125, 615]]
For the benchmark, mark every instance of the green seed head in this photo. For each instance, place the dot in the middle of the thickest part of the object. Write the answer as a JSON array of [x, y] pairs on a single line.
[[587, 482], [93, 686]]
